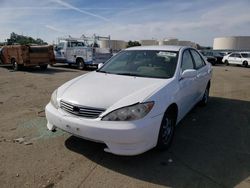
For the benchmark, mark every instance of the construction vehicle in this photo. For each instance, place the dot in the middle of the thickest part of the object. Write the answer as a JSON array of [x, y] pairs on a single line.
[[82, 52], [27, 56]]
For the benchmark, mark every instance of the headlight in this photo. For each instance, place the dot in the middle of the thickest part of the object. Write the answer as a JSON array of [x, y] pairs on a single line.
[[129, 113], [53, 99]]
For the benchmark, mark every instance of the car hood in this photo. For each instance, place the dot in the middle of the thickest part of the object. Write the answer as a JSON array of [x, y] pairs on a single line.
[[111, 91]]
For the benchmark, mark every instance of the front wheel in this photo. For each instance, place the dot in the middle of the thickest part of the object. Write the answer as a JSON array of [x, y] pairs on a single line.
[[166, 132], [226, 62], [43, 67]]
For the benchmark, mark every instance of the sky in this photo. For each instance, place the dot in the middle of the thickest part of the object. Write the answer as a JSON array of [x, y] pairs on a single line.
[[199, 21]]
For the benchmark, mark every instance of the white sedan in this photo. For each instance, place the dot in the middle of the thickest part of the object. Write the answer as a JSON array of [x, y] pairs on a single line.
[[133, 102], [237, 58]]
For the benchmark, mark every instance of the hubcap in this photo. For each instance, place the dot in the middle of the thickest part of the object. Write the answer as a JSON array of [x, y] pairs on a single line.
[[81, 65], [167, 130]]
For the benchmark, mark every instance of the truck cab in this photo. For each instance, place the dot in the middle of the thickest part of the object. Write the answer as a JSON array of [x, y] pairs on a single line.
[[80, 52]]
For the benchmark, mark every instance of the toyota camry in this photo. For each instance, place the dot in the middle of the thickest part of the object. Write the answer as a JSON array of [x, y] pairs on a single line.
[[134, 101]]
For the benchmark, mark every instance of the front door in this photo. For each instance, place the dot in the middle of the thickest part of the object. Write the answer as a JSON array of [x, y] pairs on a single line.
[[187, 86]]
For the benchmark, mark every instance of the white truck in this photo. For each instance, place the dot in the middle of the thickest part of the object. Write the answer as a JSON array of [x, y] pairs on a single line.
[[82, 52]]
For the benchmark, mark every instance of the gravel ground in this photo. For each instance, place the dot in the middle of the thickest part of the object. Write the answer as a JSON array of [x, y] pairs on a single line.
[[211, 147]]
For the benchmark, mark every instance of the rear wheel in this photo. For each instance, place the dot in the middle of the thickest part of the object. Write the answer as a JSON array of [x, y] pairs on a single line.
[[205, 97], [15, 65], [245, 63], [43, 67], [166, 132], [80, 64]]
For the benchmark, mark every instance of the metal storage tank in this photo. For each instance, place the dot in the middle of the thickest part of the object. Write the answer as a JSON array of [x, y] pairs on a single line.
[[171, 41], [232, 43], [149, 42], [177, 42], [187, 43], [115, 45]]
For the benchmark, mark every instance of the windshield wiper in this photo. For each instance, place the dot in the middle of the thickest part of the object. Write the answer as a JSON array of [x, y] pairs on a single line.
[[103, 71], [128, 74]]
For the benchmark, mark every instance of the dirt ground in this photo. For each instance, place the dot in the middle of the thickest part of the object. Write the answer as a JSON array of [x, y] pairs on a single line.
[[211, 147]]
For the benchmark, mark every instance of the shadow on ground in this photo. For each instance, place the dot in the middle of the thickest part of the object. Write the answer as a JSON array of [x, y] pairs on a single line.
[[211, 148]]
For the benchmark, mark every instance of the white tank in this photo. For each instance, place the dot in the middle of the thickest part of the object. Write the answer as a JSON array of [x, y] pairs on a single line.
[[177, 42], [149, 42], [232, 43], [114, 44]]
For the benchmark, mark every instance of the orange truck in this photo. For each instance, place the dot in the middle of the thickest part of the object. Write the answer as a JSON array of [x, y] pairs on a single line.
[[27, 56]]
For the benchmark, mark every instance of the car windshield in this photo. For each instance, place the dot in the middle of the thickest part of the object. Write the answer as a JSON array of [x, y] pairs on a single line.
[[60, 45], [142, 63], [246, 55]]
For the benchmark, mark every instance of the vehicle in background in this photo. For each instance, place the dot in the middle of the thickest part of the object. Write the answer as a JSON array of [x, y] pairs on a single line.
[[214, 57], [27, 56], [82, 52], [210, 59], [134, 101], [237, 58]]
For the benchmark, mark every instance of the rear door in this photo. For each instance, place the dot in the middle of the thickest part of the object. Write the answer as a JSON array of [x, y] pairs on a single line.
[[202, 73]]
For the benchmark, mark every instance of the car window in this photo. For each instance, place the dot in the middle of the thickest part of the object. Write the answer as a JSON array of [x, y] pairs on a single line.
[[210, 53], [246, 55], [232, 55], [187, 62], [237, 55], [199, 62]]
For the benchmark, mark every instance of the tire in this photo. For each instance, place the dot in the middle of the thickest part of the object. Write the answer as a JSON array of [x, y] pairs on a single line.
[[43, 67], [80, 64], [205, 97], [16, 66], [226, 62], [166, 132], [245, 64]]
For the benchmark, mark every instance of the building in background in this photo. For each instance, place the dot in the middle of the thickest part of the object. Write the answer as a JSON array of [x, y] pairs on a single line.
[[240, 43]]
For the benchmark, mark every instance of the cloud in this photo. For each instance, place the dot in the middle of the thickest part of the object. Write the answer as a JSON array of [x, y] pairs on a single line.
[[198, 21], [80, 10], [53, 28]]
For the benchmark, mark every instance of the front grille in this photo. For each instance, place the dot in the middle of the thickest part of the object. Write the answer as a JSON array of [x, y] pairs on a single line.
[[84, 111]]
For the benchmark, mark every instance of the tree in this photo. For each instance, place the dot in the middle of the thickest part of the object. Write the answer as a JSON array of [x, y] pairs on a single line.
[[133, 43], [24, 40]]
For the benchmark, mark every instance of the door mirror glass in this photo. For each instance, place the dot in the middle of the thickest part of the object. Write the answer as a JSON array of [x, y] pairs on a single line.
[[189, 73]]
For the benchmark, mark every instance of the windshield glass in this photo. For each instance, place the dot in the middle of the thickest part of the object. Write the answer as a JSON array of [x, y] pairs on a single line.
[[142, 63], [60, 46], [246, 55]]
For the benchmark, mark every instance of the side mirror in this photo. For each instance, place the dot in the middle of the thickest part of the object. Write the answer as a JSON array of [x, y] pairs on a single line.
[[189, 73], [100, 65]]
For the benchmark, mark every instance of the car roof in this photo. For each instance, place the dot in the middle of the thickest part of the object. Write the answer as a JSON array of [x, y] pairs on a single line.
[[165, 47]]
